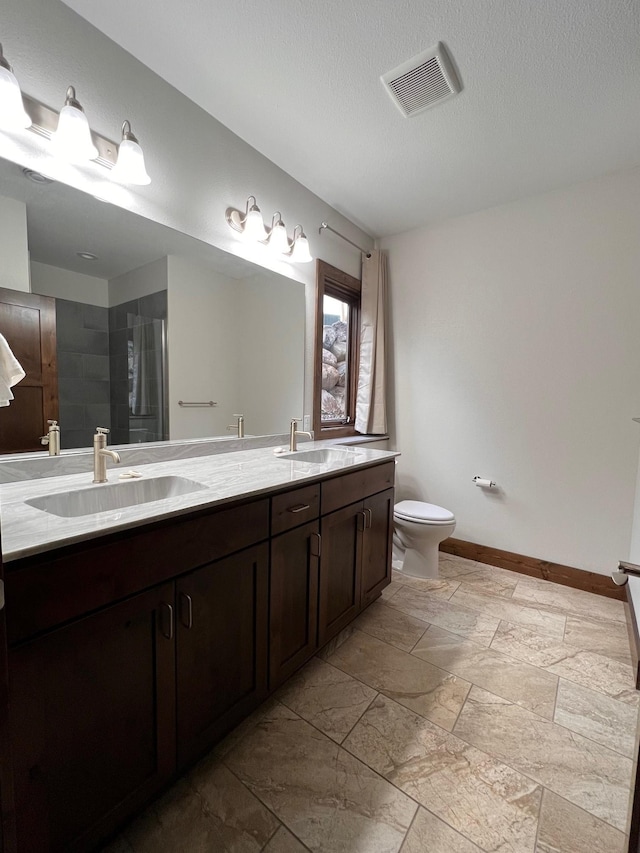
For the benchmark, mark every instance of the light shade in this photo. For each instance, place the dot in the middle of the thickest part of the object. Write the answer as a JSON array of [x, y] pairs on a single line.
[[13, 115], [278, 240], [72, 138], [129, 167], [254, 229], [300, 253]]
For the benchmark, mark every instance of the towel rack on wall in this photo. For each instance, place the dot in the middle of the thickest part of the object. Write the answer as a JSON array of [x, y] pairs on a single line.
[[186, 404]]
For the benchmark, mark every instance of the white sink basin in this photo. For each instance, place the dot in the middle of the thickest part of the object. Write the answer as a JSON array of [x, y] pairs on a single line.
[[319, 456], [106, 498]]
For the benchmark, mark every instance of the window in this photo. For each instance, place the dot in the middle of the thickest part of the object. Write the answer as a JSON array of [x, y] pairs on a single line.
[[336, 353]]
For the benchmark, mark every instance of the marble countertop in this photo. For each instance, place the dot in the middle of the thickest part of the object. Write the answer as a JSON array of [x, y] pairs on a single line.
[[226, 477]]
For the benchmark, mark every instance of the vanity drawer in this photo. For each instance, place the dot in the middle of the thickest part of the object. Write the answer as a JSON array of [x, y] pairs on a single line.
[[345, 490], [295, 507]]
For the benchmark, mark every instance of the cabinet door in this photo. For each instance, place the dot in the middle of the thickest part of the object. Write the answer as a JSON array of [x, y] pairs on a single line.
[[221, 647], [376, 545], [92, 721], [293, 595], [340, 569]]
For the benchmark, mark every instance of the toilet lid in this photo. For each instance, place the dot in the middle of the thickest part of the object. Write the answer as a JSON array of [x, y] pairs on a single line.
[[421, 511]]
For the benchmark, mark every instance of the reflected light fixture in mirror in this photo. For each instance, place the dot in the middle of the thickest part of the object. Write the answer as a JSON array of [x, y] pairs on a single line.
[[13, 115], [277, 240], [299, 252], [72, 138], [130, 168], [250, 225]]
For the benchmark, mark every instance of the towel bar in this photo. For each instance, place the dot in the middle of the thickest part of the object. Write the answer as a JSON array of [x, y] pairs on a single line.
[[184, 403]]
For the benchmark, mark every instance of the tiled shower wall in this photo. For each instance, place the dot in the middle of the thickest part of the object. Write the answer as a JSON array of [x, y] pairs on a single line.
[[83, 371], [127, 428]]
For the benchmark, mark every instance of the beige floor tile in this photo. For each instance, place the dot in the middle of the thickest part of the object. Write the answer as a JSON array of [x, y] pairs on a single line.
[[242, 729], [178, 823], [598, 635], [585, 773], [544, 621], [326, 697], [479, 796], [241, 819], [440, 587], [596, 716], [452, 566], [590, 669], [445, 614], [414, 683], [487, 579], [391, 625], [390, 590], [520, 682], [284, 842], [553, 595], [564, 828], [335, 642], [429, 833], [331, 801]]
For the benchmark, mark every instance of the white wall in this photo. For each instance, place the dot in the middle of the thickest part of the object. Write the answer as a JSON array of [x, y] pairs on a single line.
[[202, 307], [66, 284], [270, 352], [143, 281], [14, 249], [516, 350]]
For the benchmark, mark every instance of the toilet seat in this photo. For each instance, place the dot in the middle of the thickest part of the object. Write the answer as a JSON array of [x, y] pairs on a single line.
[[420, 512]]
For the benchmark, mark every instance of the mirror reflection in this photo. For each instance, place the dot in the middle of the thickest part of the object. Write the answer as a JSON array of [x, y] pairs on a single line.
[[122, 321]]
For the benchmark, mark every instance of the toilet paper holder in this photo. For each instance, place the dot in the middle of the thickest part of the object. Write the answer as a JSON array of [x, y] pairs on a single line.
[[484, 483]]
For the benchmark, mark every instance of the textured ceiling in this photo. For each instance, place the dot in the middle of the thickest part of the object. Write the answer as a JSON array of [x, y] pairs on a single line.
[[550, 93]]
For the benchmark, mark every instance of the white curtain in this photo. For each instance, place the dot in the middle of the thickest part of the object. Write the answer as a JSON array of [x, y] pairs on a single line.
[[371, 408]]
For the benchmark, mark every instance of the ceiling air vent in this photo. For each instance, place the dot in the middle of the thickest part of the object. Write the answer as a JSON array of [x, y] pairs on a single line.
[[422, 82]]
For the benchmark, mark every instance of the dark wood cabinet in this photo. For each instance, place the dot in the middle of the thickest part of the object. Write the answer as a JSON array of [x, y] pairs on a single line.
[[130, 655], [221, 642], [376, 546], [92, 721], [340, 567], [293, 593]]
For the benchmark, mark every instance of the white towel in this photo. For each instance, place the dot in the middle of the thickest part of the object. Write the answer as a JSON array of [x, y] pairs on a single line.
[[11, 372]]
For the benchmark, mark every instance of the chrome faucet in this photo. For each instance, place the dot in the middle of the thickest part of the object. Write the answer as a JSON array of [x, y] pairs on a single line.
[[52, 438], [101, 454], [294, 433], [239, 426]]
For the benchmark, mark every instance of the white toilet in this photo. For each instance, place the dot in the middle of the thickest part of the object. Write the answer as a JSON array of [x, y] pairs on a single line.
[[418, 529]]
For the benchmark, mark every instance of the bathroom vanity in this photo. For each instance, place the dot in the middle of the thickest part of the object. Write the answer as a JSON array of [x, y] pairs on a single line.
[[136, 645]]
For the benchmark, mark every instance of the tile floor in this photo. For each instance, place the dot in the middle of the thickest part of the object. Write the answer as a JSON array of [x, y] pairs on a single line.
[[483, 711]]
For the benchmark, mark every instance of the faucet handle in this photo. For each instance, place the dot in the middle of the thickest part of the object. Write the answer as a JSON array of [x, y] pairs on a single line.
[[103, 430], [295, 420], [237, 416], [52, 423]]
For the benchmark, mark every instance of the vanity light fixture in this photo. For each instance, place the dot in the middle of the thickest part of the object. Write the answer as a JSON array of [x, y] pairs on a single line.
[[72, 138], [13, 115], [299, 252], [130, 168], [249, 224], [277, 241]]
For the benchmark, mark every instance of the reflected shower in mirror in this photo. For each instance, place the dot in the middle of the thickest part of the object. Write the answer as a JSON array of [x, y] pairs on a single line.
[[145, 317]]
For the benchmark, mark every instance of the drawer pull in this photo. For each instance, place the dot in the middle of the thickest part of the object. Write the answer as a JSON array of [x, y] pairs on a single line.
[[369, 518], [316, 545], [167, 635], [188, 622], [298, 508]]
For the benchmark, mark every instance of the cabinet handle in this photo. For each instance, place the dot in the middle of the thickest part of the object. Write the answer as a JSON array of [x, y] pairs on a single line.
[[189, 621], [317, 539], [362, 520], [298, 508], [369, 517], [168, 636]]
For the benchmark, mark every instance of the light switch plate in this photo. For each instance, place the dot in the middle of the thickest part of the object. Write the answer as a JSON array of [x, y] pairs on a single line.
[[307, 423]]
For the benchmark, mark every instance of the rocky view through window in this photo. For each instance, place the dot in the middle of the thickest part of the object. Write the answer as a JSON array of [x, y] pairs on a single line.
[[335, 346]]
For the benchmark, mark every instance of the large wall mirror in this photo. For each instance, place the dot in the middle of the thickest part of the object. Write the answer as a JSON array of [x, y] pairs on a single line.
[[151, 326]]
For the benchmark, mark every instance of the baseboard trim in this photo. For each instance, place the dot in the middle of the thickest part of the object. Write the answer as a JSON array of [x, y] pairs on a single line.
[[544, 569]]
